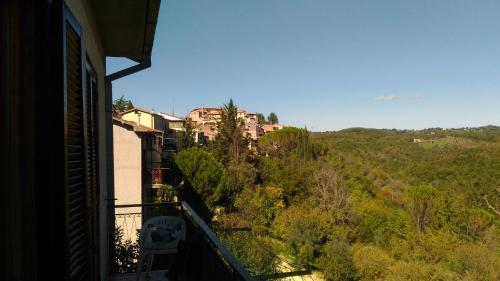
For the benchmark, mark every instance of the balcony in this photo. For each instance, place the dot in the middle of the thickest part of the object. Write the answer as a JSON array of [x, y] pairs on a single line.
[[158, 176], [204, 256]]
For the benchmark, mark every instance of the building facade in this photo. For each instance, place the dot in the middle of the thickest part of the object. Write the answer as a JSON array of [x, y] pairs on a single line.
[[205, 120], [137, 154], [146, 118]]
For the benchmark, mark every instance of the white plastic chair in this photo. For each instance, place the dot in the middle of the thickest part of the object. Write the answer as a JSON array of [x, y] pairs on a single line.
[[159, 235]]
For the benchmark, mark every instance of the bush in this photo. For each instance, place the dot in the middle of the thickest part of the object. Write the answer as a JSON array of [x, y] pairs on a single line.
[[371, 262], [336, 262], [256, 256], [475, 262], [126, 253], [419, 271]]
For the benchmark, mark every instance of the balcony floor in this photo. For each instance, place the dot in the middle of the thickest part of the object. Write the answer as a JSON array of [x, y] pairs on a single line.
[[158, 275]]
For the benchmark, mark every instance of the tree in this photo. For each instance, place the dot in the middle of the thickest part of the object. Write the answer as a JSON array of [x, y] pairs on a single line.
[[285, 142], [230, 144], [332, 194], [122, 104], [261, 119], [186, 139], [207, 176], [423, 202], [272, 118], [336, 263], [371, 262], [126, 251]]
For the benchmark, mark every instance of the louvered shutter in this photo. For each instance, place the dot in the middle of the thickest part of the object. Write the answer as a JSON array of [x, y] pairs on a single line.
[[92, 163], [77, 188]]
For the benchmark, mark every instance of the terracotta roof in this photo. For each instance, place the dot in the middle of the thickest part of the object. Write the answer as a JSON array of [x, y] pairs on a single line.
[[206, 107], [140, 109]]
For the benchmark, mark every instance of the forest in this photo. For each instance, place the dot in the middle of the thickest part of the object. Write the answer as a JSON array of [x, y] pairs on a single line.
[[355, 204]]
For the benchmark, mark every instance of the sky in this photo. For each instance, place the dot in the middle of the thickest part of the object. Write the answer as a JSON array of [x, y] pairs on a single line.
[[326, 65]]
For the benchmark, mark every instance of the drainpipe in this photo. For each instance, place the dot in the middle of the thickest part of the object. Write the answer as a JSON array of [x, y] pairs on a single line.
[[110, 198]]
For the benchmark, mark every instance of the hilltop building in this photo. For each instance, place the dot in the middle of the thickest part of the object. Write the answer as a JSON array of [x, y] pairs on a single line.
[[205, 119]]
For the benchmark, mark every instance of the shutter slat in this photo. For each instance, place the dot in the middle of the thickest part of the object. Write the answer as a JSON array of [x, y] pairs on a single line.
[[77, 209]]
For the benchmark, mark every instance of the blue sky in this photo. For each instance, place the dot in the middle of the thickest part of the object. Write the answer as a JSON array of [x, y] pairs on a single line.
[[327, 65]]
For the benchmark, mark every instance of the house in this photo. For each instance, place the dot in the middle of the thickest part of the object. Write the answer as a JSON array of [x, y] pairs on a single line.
[[271, 127], [147, 118], [208, 131], [137, 155], [202, 115], [254, 131], [174, 123]]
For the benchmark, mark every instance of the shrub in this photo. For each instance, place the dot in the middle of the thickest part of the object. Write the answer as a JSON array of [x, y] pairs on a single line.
[[371, 262]]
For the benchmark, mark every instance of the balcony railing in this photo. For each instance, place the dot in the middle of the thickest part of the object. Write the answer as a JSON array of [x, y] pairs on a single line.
[[204, 256]]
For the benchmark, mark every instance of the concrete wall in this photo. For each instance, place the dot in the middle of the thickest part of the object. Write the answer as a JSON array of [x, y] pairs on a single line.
[[95, 52], [127, 150]]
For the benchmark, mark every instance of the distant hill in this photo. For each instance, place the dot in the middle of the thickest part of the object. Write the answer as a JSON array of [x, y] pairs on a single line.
[[465, 160]]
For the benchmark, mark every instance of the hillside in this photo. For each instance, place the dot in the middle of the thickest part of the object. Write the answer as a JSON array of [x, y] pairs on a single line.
[[358, 204], [464, 161]]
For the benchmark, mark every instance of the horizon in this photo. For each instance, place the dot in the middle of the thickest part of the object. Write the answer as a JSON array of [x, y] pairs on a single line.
[[326, 66]]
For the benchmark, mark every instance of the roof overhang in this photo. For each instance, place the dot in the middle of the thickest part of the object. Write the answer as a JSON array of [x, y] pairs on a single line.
[[127, 27]]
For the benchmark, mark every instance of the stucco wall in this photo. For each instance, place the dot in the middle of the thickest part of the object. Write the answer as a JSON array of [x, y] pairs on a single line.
[[128, 170], [142, 118], [128, 179], [130, 116]]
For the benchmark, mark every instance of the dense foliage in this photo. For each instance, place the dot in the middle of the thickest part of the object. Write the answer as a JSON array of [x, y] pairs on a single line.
[[121, 104], [207, 176], [362, 204]]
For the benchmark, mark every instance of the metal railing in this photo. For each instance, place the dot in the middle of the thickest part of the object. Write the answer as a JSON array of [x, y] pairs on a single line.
[[238, 272], [202, 257]]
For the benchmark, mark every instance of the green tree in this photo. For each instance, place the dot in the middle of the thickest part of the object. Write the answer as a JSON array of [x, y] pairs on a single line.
[[121, 104], [287, 141], [207, 176], [229, 143], [272, 118], [261, 119], [336, 262], [254, 254], [423, 203], [186, 139], [371, 262], [126, 251]]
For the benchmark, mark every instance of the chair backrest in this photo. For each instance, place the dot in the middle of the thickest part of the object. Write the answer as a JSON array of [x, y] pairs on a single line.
[[176, 223]]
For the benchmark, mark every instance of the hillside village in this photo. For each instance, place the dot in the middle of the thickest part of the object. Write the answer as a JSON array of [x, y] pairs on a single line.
[[142, 138], [202, 119]]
